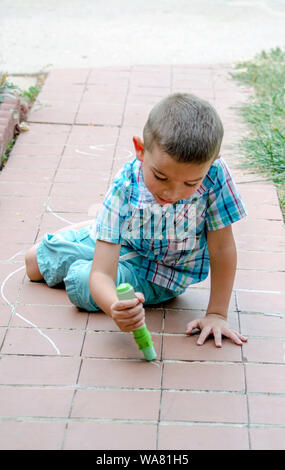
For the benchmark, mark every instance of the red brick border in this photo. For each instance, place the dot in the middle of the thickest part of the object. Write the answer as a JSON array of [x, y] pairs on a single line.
[[12, 111]]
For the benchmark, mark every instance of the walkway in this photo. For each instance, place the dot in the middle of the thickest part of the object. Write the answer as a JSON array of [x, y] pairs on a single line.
[[72, 380]]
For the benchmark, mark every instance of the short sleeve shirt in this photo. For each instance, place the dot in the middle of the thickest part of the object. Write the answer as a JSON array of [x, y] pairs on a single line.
[[171, 239]]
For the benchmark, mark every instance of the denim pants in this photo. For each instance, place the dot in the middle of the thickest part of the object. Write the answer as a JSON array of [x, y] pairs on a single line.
[[67, 256]]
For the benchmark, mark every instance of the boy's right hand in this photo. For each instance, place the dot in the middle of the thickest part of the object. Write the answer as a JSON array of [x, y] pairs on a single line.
[[129, 314]]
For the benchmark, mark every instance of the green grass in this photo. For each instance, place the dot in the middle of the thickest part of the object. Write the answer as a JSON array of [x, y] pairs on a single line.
[[264, 147], [4, 157]]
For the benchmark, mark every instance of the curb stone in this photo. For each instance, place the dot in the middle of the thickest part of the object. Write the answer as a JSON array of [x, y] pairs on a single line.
[[12, 112]]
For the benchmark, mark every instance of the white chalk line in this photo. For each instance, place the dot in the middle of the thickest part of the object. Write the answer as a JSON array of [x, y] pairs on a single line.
[[13, 310], [101, 149], [56, 215], [15, 255]]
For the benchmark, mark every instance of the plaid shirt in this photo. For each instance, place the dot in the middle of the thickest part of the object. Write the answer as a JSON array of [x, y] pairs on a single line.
[[171, 239]]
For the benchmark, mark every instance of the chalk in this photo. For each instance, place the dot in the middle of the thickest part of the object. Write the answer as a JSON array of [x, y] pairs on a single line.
[[141, 335]]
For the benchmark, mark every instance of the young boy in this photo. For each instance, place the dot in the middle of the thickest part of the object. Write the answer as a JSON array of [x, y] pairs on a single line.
[[166, 219]]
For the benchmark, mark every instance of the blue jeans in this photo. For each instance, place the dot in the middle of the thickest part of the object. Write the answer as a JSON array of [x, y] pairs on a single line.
[[67, 256]]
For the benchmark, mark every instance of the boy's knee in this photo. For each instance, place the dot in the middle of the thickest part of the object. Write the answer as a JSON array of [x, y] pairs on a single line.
[[32, 268]]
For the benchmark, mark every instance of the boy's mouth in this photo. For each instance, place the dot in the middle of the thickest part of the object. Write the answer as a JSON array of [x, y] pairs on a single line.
[[164, 200]]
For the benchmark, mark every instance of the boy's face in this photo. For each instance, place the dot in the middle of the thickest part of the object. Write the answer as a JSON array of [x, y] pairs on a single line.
[[168, 180]]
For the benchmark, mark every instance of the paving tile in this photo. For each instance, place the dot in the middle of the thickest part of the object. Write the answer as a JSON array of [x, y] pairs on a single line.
[[262, 227], [266, 409], [92, 135], [5, 315], [266, 211], [51, 316], [67, 190], [202, 437], [3, 332], [54, 111], [203, 376], [185, 348], [262, 325], [29, 175], [107, 114], [38, 293], [71, 94], [102, 94], [37, 150], [115, 345], [14, 252], [29, 341], [120, 373], [83, 162], [264, 350], [27, 235], [265, 378], [266, 280], [114, 75], [140, 96], [35, 402], [99, 153], [35, 370], [83, 205], [109, 79], [270, 302], [203, 407], [111, 436], [151, 78], [267, 438], [136, 114], [66, 76], [31, 161], [81, 175], [11, 278], [39, 134], [22, 188], [116, 404], [261, 261], [25, 435], [51, 222]]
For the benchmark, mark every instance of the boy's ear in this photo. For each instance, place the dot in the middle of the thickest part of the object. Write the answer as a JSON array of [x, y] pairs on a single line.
[[139, 147]]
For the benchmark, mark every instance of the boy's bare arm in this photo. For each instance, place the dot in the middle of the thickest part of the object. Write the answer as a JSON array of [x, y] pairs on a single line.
[[102, 280], [127, 314], [223, 261]]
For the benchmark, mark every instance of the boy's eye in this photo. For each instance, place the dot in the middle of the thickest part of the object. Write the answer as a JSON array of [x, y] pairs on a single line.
[[165, 179], [158, 178]]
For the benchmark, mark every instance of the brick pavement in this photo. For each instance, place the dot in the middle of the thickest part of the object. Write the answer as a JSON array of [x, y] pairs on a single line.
[[70, 379]]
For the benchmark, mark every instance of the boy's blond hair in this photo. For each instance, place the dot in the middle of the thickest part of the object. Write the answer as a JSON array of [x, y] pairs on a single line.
[[186, 127]]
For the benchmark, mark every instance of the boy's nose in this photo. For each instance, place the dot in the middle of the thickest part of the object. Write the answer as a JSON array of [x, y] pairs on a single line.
[[172, 196]]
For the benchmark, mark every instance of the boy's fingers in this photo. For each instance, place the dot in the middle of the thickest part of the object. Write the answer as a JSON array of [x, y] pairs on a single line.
[[234, 336], [204, 334], [131, 324], [129, 313], [218, 337], [140, 296], [126, 304], [191, 326]]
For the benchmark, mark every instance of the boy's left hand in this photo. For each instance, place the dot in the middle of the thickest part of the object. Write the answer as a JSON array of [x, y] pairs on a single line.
[[215, 324]]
